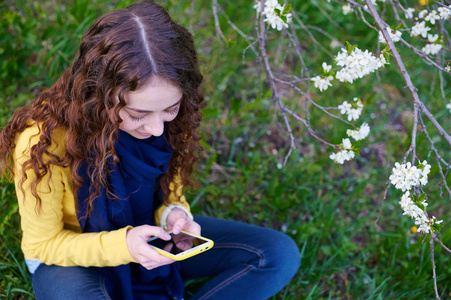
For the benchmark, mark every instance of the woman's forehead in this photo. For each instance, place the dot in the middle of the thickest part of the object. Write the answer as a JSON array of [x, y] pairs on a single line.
[[157, 95]]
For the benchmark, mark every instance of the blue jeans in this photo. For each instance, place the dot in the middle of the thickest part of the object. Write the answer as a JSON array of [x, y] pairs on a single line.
[[246, 262]]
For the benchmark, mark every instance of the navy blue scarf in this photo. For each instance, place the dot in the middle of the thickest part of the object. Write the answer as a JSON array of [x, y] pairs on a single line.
[[135, 183]]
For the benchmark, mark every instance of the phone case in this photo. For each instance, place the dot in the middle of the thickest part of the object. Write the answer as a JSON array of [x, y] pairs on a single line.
[[188, 253]]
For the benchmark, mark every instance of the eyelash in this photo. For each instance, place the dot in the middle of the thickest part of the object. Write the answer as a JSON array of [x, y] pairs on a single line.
[[135, 119], [171, 112], [174, 111]]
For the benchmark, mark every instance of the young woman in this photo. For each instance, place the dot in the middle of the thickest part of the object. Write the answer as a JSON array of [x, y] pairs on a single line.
[[100, 160]]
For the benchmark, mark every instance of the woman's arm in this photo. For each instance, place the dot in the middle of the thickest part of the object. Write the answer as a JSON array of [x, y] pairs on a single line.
[[176, 215], [175, 199], [51, 234]]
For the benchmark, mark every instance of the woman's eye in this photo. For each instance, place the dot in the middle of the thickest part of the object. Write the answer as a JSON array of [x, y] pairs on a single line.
[[135, 119], [173, 111]]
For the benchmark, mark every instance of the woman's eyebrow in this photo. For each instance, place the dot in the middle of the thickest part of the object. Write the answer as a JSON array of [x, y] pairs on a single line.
[[149, 111]]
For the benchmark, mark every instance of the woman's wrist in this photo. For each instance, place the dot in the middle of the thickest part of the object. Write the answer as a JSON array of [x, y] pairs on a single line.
[[167, 211]]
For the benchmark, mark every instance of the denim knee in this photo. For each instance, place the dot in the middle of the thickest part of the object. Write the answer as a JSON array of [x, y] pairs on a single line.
[[55, 282], [283, 257]]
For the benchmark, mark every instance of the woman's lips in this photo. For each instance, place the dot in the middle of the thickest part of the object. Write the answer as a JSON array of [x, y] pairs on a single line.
[[144, 134]]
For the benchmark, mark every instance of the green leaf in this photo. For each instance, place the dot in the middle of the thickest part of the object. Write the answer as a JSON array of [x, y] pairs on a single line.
[[349, 47], [387, 56], [419, 199], [421, 206], [356, 145], [286, 9], [422, 197], [436, 227], [400, 26]]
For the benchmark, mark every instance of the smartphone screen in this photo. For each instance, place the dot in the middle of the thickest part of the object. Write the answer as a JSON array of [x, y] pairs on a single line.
[[175, 238]]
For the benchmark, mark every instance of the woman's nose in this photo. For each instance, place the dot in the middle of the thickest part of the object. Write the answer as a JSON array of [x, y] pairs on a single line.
[[154, 126]]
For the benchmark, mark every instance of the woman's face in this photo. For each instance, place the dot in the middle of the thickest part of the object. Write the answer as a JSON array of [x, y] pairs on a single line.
[[148, 108]]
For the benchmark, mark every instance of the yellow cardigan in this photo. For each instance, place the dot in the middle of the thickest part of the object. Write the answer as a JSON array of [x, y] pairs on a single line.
[[53, 235]]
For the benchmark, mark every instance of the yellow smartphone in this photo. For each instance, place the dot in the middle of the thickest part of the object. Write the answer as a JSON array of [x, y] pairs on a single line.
[[193, 245]]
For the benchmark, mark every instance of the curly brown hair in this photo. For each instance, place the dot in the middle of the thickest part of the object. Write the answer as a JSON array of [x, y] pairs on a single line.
[[119, 53]]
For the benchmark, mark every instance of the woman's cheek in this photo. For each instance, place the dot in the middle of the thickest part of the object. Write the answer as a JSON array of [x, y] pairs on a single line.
[[127, 125]]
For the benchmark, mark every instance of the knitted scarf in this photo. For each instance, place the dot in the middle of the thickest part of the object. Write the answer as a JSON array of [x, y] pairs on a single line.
[[136, 194]]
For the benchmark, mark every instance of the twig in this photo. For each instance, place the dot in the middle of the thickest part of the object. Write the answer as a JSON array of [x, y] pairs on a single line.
[[273, 85], [214, 4], [331, 20], [439, 159], [309, 128], [381, 205], [326, 34], [423, 56], [298, 48], [250, 39], [431, 243], [404, 73], [441, 4], [311, 101], [434, 236], [295, 16], [191, 12], [417, 105]]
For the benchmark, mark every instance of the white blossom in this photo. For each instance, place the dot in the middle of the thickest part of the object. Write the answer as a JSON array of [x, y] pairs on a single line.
[[405, 202], [395, 35], [409, 12], [271, 16], [406, 176], [448, 106], [352, 110], [425, 228], [422, 13], [270, 5], [342, 156], [359, 134], [346, 144], [322, 83], [432, 49], [357, 64], [415, 212], [432, 37], [276, 22], [435, 220], [326, 67], [444, 12], [412, 210], [345, 154], [448, 68], [344, 107], [347, 8], [426, 168], [420, 28], [432, 16]]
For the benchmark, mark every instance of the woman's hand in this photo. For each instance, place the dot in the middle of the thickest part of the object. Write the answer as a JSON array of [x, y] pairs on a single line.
[[142, 252], [177, 221]]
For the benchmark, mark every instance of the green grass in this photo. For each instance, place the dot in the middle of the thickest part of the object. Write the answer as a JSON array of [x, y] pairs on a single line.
[[329, 210]]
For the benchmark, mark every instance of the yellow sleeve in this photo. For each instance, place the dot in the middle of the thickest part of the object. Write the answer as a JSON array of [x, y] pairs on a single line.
[[52, 235], [175, 197]]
